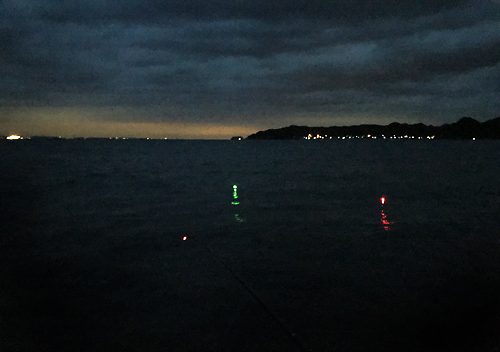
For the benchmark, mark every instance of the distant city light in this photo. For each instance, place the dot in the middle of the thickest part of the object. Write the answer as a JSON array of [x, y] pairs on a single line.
[[370, 136], [184, 238], [14, 136], [382, 200]]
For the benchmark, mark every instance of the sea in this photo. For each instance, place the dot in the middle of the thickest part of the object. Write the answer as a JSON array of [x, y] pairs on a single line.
[[309, 245]]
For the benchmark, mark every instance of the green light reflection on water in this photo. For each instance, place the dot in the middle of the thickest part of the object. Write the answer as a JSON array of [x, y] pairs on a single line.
[[235, 201], [235, 196], [237, 218]]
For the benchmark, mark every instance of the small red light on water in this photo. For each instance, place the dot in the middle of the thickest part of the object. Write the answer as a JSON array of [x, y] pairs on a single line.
[[184, 238], [382, 200]]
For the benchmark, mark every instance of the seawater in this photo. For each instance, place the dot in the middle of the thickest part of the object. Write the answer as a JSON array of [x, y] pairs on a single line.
[[154, 245]]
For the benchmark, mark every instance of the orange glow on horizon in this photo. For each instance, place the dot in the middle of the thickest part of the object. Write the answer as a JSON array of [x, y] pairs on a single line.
[[112, 123]]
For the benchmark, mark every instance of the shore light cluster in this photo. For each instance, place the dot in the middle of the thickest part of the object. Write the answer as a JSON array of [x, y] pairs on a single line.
[[368, 136]]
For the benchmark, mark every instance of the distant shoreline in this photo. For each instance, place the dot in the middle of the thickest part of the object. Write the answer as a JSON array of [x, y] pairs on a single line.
[[465, 128]]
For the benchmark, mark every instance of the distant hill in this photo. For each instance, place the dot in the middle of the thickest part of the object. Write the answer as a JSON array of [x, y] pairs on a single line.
[[465, 128]]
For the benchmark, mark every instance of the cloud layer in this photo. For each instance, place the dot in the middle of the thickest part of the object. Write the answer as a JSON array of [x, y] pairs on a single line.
[[259, 63]]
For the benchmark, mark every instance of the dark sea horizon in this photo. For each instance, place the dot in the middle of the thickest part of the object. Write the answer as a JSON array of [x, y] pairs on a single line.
[[205, 245]]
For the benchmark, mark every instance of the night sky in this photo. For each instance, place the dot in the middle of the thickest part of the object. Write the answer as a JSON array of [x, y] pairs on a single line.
[[220, 68]]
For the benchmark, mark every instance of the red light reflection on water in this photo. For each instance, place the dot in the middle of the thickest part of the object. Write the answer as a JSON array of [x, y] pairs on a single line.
[[383, 217], [384, 220]]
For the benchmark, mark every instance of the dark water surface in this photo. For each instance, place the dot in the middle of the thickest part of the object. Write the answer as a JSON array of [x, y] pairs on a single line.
[[93, 256]]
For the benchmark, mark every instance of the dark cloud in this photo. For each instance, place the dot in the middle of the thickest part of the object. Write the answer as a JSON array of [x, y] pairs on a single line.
[[235, 60], [136, 11]]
